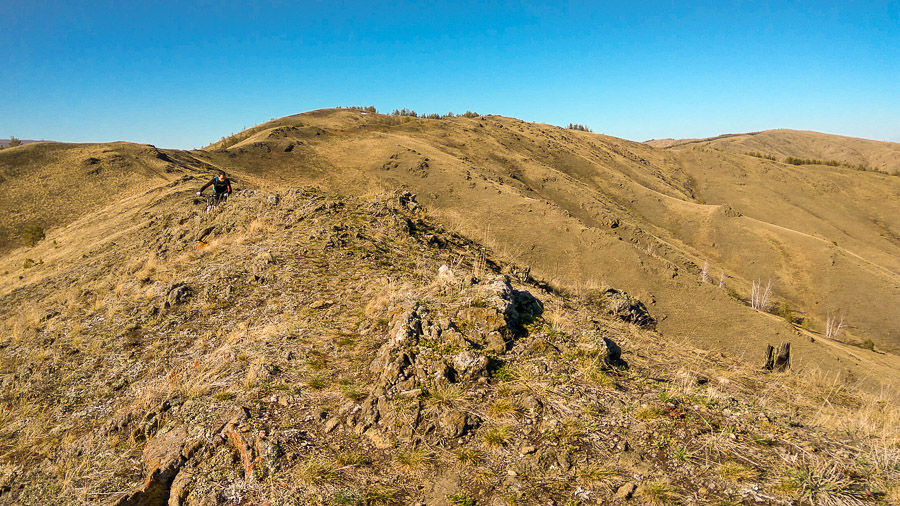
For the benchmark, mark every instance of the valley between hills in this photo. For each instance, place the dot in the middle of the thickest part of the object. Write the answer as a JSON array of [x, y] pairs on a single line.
[[458, 310]]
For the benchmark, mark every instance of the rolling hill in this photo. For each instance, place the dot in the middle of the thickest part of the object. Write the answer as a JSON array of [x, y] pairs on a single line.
[[584, 209], [805, 145], [473, 307]]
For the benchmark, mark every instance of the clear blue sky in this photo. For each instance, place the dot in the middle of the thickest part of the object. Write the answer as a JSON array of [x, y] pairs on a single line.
[[183, 74]]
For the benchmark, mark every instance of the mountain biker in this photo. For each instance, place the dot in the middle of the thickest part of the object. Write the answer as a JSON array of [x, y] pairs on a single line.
[[221, 186]]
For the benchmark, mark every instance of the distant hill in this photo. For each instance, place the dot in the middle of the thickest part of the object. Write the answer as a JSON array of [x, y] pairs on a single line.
[[57, 183], [4, 143], [806, 147]]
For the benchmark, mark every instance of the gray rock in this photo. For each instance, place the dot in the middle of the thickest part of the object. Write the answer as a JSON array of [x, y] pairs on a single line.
[[627, 308], [469, 365], [178, 294], [494, 343], [163, 458]]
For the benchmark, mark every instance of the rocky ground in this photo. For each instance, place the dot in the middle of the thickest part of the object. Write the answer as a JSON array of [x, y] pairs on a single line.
[[305, 349]]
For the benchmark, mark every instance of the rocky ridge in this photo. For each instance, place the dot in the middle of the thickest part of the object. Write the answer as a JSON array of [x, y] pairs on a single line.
[[304, 348]]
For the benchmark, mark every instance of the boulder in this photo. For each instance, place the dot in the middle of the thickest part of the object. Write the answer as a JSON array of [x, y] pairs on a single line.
[[627, 308], [163, 458], [179, 293], [469, 365], [454, 423]]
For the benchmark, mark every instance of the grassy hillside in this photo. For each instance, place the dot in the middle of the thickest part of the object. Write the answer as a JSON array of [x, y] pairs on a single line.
[[583, 209], [304, 347], [458, 311], [47, 185], [803, 146]]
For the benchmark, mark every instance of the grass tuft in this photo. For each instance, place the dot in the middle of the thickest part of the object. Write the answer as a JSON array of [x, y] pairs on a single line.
[[497, 436], [737, 471], [468, 456], [659, 492]]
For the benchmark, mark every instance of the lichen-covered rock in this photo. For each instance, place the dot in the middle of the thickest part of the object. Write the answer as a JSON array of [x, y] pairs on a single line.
[[627, 308], [178, 294], [470, 365]]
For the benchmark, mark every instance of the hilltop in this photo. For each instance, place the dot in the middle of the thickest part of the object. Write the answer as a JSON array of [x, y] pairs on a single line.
[[396, 309], [805, 146], [825, 236], [4, 143]]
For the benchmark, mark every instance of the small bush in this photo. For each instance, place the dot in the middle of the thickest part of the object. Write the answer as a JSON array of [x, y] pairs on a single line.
[[29, 263], [793, 160], [33, 235], [503, 373], [579, 127], [760, 155], [869, 344], [784, 310]]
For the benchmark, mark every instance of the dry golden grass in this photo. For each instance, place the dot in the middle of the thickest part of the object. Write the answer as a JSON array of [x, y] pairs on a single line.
[[562, 249], [179, 354]]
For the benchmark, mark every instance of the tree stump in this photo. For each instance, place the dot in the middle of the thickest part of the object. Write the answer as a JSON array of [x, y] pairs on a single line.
[[780, 361]]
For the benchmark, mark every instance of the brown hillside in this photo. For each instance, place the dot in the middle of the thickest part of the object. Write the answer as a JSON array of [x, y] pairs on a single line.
[[783, 143], [303, 347], [469, 344], [52, 184], [584, 210]]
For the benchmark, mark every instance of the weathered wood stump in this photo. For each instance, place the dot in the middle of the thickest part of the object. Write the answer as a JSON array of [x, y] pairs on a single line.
[[780, 361]]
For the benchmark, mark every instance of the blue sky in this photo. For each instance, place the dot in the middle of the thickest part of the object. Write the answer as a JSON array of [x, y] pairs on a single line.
[[183, 74]]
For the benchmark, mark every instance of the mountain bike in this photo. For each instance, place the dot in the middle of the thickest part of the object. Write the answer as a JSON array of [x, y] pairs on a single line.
[[214, 199]]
